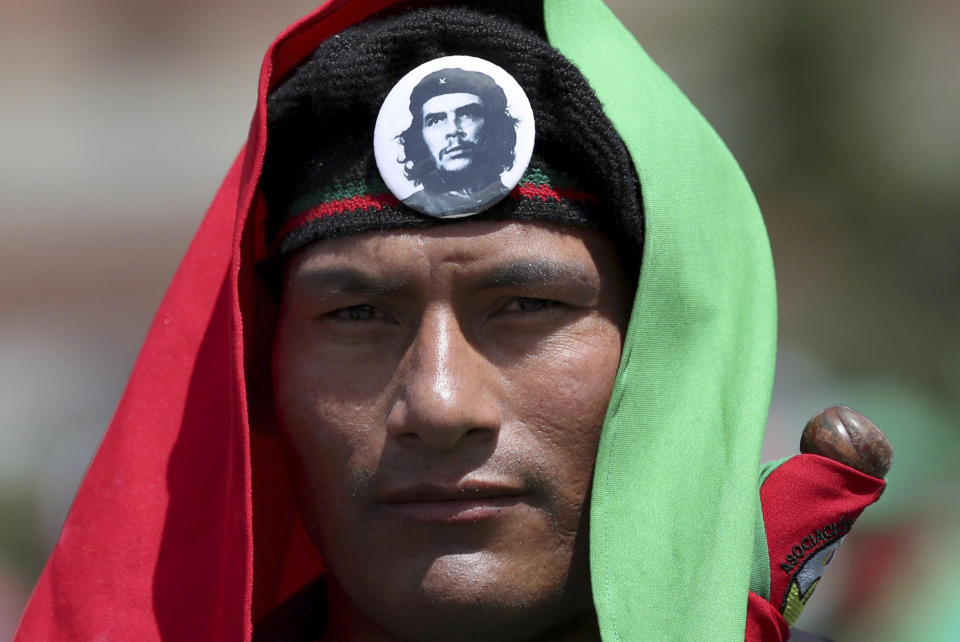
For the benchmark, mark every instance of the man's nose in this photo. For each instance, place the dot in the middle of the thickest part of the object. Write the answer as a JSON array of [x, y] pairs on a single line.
[[449, 389], [455, 127]]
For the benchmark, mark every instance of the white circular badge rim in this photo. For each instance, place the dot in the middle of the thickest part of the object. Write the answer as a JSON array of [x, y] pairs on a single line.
[[394, 118]]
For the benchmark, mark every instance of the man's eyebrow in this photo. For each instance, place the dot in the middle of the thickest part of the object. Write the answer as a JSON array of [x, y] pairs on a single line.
[[345, 280], [469, 108], [430, 114], [538, 272]]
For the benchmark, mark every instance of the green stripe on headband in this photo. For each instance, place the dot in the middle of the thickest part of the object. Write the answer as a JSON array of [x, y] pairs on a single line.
[[344, 191], [336, 192]]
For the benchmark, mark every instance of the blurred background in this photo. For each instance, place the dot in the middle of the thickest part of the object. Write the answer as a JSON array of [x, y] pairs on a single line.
[[120, 117]]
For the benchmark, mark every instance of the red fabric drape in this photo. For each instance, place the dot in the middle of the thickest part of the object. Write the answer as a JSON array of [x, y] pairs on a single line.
[[159, 542]]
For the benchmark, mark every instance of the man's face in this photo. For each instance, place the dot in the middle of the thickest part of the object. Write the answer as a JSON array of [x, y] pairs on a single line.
[[452, 124], [441, 393]]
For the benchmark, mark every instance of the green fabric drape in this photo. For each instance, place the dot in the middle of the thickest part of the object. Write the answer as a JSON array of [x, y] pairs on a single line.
[[675, 491]]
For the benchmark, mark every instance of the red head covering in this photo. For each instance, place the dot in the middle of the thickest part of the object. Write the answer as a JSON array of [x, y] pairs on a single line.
[[160, 539]]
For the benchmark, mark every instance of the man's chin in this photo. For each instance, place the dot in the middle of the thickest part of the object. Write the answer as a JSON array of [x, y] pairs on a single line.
[[479, 598], [453, 166], [477, 617]]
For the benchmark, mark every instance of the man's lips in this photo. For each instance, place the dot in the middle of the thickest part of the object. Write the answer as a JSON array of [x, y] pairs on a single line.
[[465, 502], [456, 150]]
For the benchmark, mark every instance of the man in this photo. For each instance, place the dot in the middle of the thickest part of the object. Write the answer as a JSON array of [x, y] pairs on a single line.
[[460, 140], [356, 422], [442, 478]]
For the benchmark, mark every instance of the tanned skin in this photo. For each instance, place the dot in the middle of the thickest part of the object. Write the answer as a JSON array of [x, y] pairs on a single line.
[[441, 394]]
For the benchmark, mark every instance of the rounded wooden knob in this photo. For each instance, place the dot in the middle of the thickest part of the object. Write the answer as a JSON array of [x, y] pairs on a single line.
[[843, 434]]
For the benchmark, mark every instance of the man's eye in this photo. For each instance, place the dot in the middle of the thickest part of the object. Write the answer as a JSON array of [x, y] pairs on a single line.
[[358, 313], [473, 112], [528, 305]]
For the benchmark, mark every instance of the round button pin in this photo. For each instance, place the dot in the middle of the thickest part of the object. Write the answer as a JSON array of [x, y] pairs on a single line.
[[454, 136]]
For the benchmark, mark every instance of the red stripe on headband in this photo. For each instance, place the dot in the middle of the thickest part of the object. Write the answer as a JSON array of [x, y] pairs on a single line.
[[531, 191], [360, 202], [546, 192]]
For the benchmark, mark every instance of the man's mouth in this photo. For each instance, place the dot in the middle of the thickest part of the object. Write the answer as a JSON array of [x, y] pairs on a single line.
[[456, 151], [461, 503]]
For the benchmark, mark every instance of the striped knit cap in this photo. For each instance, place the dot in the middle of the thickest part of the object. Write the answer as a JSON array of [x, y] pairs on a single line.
[[320, 179]]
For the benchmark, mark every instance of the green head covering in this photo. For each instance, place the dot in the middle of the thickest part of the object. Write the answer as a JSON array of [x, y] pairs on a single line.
[[675, 491]]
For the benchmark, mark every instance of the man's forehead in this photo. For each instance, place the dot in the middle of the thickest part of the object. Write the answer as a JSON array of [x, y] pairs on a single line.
[[483, 244], [442, 102]]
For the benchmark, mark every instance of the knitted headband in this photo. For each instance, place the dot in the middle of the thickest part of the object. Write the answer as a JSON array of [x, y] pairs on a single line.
[[320, 179]]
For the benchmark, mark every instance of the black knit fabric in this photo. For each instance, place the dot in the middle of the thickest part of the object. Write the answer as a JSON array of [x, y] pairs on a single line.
[[321, 119]]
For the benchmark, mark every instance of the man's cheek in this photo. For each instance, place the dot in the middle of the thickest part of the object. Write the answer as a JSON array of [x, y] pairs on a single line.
[[328, 435], [341, 436], [569, 380]]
